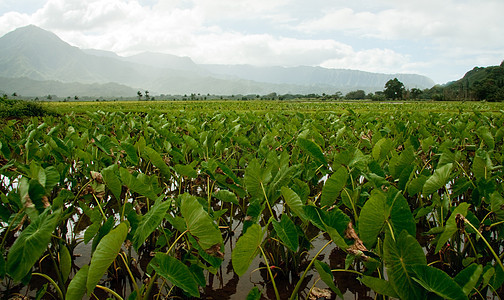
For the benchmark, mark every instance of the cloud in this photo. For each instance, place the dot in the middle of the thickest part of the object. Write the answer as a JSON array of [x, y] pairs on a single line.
[[383, 36]]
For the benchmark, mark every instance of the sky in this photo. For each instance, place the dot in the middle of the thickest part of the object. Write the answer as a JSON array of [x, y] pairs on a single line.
[[442, 39]]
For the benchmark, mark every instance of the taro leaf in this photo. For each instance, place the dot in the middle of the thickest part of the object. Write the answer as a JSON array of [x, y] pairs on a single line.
[[497, 204], [176, 272], [451, 225], [31, 244], [227, 196], [381, 209], [438, 179], [198, 222], [65, 263], [131, 152], [150, 221], [404, 160], [400, 256], [77, 286], [52, 177], [158, 161], [468, 278], [112, 180], [105, 253], [256, 178], [416, 185], [287, 232], [485, 135], [380, 286], [136, 185], [381, 149], [315, 215], [254, 294], [294, 202], [333, 186], [327, 277], [246, 249], [186, 170], [436, 281], [313, 149]]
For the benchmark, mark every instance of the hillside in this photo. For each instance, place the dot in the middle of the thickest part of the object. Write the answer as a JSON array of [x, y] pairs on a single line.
[[33, 53], [32, 88], [478, 84]]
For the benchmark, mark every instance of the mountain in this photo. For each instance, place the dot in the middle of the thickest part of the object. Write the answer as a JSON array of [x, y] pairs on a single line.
[[480, 83], [36, 54], [303, 75], [32, 88]]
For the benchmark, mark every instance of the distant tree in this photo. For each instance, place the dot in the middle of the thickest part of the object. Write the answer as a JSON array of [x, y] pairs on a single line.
[[356, 95], [14, 94], [394, 89], [76, 98], [415, 93], [147, 97], [139, 94]]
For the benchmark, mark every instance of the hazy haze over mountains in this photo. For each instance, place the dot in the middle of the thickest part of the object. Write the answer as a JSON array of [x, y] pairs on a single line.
[[31, 53]]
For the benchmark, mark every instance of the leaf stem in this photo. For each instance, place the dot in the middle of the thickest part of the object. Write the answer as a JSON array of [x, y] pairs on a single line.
[[484, 240], [122, 255], [109, 291], [300, 281], [270, 274], [175, 242], [60, 293], [99, 207]]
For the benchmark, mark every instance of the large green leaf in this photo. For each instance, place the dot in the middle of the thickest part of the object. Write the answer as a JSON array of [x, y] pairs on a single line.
[[438, 179], [400, 256], [380, 286], [381, 149], [176, 272], [77, 286], [313, 149], [158, 161], [451, 225], [468, 278], [136, 184], [326, 275], [105, 253], [31, 244], [149, 222], [246, 249], [294, 202], [111, 178], [487, 137], [380, 209], [254, 294], [227, 196], [333, 186], [256, 178], [438, 282], [199, 223], [287, 232], [65, 262]]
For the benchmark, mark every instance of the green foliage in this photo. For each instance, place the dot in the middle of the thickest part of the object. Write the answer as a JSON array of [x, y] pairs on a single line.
[[13, 108], [383, 185], [394, 89]]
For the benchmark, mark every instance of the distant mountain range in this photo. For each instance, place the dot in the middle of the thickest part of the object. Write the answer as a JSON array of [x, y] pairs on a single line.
[[36, 62]]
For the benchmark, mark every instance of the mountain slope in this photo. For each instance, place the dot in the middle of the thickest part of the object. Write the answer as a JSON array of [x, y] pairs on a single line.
[[33, 53], [303, 75]]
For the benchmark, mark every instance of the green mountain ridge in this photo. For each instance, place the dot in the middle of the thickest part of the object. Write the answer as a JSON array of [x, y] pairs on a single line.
[[34, 53], [480, 83]]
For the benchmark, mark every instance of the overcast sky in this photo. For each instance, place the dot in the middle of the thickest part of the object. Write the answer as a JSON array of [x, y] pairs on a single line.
[[441, 39]]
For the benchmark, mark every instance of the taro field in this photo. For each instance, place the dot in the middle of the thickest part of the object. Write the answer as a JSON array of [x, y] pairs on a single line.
[[253, 199]]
